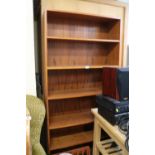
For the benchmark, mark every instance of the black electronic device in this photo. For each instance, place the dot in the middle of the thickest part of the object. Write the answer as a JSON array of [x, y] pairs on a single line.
[[123, 83], [111, 109]]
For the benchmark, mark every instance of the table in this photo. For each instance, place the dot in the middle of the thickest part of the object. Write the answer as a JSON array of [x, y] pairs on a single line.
[[115, 136]]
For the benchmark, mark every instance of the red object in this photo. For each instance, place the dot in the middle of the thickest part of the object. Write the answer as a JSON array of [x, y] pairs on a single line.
[[79, 151], [110, 83]]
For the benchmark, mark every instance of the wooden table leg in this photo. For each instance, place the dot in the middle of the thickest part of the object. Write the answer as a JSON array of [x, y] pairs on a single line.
[[97, 137]]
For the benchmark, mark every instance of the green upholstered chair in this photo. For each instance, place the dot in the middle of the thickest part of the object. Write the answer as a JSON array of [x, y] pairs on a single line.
[[37, 112]]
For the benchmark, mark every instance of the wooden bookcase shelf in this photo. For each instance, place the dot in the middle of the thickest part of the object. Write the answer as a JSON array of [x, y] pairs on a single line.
[[74, 83], [66, 53], [70, 106], [80, 67], [76, 47], [74, 93], [69, 25], [70, 120], [71, 140], [84, 40]]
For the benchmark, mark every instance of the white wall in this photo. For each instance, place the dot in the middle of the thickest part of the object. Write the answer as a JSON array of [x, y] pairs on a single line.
[[125, 1], [30, 60]]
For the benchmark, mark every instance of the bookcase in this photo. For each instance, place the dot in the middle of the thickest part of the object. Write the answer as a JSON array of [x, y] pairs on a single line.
[[76, 48]]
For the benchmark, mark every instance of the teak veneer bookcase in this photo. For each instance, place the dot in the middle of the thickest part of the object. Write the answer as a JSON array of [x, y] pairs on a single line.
[[76, 47]]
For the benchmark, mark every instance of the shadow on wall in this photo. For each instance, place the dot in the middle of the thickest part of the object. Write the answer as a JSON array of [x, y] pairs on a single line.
[[127, 62]]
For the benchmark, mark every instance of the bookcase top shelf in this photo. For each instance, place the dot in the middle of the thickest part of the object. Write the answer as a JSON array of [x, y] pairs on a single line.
[[80, 15], [84, 40]]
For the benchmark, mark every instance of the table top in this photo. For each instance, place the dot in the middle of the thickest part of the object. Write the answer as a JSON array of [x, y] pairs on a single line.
[[111, 130]]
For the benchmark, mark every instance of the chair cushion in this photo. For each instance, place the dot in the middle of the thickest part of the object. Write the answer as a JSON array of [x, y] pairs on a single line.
[[37, 149]]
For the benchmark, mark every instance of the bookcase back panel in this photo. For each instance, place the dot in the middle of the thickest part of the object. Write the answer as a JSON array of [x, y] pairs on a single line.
[[69, 106], [74, 80], [113, 55], [82, 26], [64, 53]]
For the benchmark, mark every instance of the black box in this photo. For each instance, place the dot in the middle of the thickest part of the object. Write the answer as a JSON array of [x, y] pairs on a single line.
[[112, 109]]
